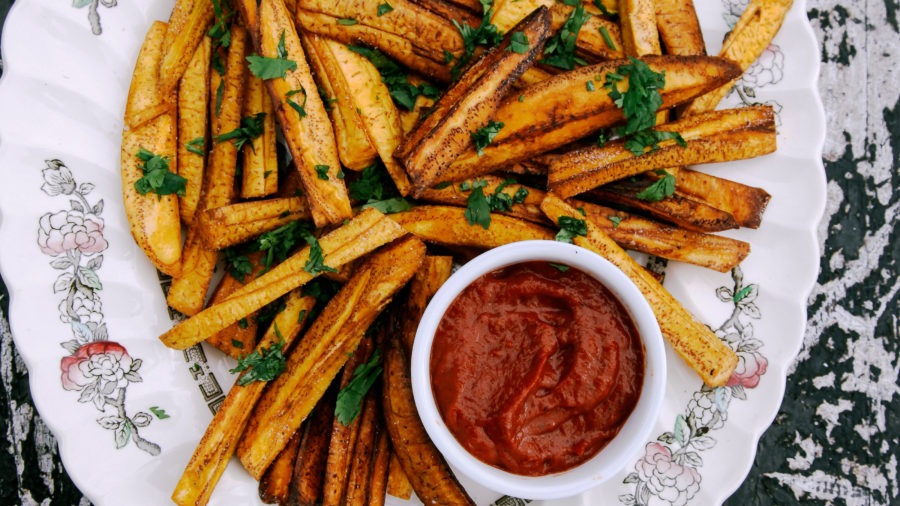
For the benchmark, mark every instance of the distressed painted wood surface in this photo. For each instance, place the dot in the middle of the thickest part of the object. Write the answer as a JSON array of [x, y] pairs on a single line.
[[835, 439]]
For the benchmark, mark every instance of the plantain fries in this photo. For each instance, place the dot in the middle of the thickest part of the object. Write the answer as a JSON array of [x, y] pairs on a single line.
[[751, 35], [453, 12], [677, 209], [362, 234], [219, 441], [260, 168], [448, 226], [678, 27], [153, 218], [717, 136], [745, 203], [695, 342], [193, 96], [637, 19], [188, 291], [528, 209], [434, 272], [187, 26], [273, 486], [309, 136], [428, 473], [398, 484], [226, 226], [560, 110], [238, 338], [354, 148], [309, 470], [647, 236], [362, 458], [380, 467], [323, 351], [469, 104]]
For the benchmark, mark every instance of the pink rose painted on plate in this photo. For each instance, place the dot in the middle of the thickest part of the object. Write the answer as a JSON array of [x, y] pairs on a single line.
[[751, 365], [670, 481], [105, 362], [67, 230]]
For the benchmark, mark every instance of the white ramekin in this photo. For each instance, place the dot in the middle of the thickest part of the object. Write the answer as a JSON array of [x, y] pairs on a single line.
[[634, 433]]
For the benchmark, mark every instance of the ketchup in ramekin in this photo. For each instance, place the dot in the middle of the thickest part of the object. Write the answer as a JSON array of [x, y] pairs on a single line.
[[535, 367]]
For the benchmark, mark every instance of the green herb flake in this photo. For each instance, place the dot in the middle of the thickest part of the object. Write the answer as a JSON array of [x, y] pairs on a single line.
[[581, 210], [396, 79], [607, 38], [238, 265], [264, 67], [559, 267], [243, 323], [589, 85], [448, 56], [157, 177], [384, 9], [300, 108], [196, 146], [251, 127], [521, 98], [485, 34], [159, 412], [237, 344], [606, 12], [615, 220], [316, 261], [326, 100], [639, 142], [569, 228], [322, 171], [641, 100], [478, 211], [441, 186], [662, 188], [560, 49], [518, 43], [220, 93], [349, 399], [347, 21], [485, 135], [389, 206], [261, 364]]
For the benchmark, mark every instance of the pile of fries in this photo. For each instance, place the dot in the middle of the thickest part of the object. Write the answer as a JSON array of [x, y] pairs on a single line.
[[389, 125]]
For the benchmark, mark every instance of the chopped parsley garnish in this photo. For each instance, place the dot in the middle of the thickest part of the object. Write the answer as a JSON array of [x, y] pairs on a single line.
[[326, 100], [219, 30], [640, 141], [370, 184], [662, 188], [448, 56], [641, 100], [441, 186], [347, 21], [263, 364], [157, 177], [602, 137], [485, 135], [322, 171], [196, 146], [238, 265], [384, 9], [300, 108], [268, 312], [264, 67], [278, 243], [349, 399], [560, 49], [316, 262], [581, 210], [251, 128], [607, 38], [477, 209], [569, 228], [237, 344], [389, 206], [599, 4], [159, 412], [395, 78], [521, 98], [615, 220], [486, 34], [479, 205], [589, 85], [518, 42], [559, 267], [243, 323], [220, 93]]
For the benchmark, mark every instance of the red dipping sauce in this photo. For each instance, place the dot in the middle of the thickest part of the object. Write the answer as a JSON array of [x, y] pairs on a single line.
[[535, 370]]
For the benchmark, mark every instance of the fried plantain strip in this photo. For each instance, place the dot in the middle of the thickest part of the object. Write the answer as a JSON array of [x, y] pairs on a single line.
[[560, 109], [398, 484], [273, 486], [381, 460], [717, 136], [226, 226], [362, 458], [310, 138], [188, 291], [751, 35], [323, 351], [452, 11], [637, 19], [429, 278], [354, 148], [193, 97], [187, 26], [408, 119], [679, 29], [260, 168], [448, 226], [309, 470], [647, 236], [698, 346], [746, 203], [153, 218], [363, 233], [469, 104], [238, 338], [220, 439]]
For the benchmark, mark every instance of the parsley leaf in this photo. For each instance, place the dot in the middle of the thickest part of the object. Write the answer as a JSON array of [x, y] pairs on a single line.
[[349, 399], [237, 344], [640, 141], [599, 4], [395, 78], [326, 101], [322, 171], [641, 100], [484, 135], [300, 108], [278, 243], [615, 220], [560, 49], [347, 21], [479, 205], [220, 93], [268, 312], [316, 262], [518, 42], [569, 228], [219, 30], [478, 211], [238, 265], [589, 85], [157, 177], [607, 38], [370, 185], [159, 412], [662, 188], [559, 267], [384, 9], [196, 146], [264, 67], [389, 206], [486, 34], [264, 364], [251, 128]]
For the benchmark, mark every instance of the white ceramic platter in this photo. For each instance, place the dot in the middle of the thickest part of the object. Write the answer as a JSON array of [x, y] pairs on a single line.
[[87, 327]]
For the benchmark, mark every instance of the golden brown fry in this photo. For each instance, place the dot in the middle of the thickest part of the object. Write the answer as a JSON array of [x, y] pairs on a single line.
[[187, 25], [323, 351], [260, 168], [309, 471], [677, 208], [452, 11], [753, 32], [641, 234], [226, 226], [695, 342], [362, 458], [434, 272], [153, 218], [238, 338], [560, 110], [273, 486], [428, 473], [716, 136], [679, 29], [448, 226], [310, 138], [220, 439], [363, 233], [528, 209], [398, 484], [188, 292], [469, 104], [343, 437], [381, 461], [746, 203], [637, 19], [193, 100], [354, 148]]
